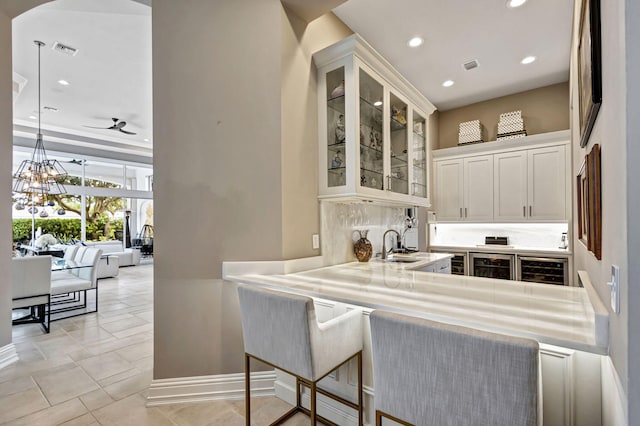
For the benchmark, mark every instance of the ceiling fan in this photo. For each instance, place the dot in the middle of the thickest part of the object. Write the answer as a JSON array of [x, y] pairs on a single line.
[[74, 161], [117, 126]]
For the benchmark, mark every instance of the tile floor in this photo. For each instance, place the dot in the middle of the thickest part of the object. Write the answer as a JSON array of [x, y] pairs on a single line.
[[95, 369]]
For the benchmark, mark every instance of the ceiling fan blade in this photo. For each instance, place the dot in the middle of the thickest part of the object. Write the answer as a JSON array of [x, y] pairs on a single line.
[[127, 132], [103, 128], [120, 125]]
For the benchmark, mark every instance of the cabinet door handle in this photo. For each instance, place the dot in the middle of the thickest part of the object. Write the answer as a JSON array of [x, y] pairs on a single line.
[[388, 182], [530, 214], [524, 211], [465, 212], [460, 212]]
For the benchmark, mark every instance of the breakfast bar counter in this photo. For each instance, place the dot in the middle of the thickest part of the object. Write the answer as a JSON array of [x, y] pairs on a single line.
[[555, 315], [571, 327]]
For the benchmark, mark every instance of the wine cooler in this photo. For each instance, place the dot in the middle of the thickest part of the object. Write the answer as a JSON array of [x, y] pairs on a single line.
[[546, 270]]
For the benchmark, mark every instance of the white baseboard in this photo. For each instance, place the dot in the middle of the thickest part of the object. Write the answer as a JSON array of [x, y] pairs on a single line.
[[614, 398], [326, 407], [8, 355], [209, 388]]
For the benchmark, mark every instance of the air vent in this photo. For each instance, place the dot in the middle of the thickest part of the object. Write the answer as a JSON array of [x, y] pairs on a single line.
[[471, 65], [59, 47]]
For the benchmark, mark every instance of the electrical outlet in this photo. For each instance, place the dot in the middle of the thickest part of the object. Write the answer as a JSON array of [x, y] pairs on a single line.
[[315, 241], [615, 288]]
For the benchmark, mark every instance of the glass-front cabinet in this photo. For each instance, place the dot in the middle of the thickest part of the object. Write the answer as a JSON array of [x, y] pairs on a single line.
[[373, 128], [419, 163], [371, 131]]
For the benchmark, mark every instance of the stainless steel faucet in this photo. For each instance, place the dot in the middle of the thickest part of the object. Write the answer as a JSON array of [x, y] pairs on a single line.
[[384, 242]]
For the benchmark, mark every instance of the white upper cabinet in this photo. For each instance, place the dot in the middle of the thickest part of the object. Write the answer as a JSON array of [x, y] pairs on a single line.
[[547, 183], [464, 189], [520, 180], [372, 128], [510, 186], [449, 182], [530, 185]]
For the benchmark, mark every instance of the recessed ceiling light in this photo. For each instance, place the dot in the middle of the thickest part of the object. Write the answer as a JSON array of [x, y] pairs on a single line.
[[377, 103], [515, 3], [528, 60], [415, 42], [63, 82], [448, 83], [146, 139], [33, 117]]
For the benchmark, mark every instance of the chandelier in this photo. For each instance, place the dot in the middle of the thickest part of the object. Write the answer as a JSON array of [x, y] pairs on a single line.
[[38, 177]]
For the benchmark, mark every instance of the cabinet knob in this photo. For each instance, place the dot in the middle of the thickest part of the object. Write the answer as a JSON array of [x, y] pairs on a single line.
[[530, 209], [461, 212]]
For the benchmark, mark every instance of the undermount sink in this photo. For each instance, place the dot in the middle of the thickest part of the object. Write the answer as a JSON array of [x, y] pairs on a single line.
[[403, 259]]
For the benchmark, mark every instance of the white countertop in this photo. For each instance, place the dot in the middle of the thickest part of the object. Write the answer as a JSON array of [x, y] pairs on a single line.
[[495, 248], [555, 315]]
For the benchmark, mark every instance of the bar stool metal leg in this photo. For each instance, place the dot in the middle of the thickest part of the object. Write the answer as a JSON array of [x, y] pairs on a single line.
[[360, 409], [313, 403], [247, 390]]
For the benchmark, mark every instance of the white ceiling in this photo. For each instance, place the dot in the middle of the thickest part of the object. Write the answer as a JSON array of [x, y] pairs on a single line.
[[111, 74], [457, 31], [109, 77]]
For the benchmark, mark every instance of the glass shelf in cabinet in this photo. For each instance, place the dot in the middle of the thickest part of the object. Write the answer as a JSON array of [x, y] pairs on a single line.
[[398, 179], [377, 152], [367, 103], [399, 161], [400, 186], [419, 179], [336, 104], [370, 115], [396, 125], [419, 190], [418, 134], [336, 170], [377, 172], [335, 147]]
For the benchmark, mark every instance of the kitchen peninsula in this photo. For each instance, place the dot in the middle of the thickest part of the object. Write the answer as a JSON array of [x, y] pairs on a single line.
[[571, 328]]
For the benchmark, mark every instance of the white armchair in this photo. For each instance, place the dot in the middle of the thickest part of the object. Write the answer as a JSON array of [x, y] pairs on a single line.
[[281, 330], [32, 289]]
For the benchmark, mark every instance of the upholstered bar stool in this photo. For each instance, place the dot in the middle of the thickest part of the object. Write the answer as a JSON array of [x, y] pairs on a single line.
[[281, 330], [430, 373]]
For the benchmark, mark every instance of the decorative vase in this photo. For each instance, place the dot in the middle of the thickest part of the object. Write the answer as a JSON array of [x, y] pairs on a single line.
[[363, 248]]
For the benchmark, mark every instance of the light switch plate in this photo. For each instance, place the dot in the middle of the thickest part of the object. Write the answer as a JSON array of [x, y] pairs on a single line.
[[615, 289], [315, 241]]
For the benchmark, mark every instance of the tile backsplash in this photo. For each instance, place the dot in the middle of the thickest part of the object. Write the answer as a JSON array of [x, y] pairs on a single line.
[[531, 235], [340, 221]]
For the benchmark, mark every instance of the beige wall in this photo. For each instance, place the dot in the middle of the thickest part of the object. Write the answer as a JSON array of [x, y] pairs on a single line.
[[217, 171], [235, 164], [631, 292], [299, 128], [545, 109], [616, 130], [6, 147]]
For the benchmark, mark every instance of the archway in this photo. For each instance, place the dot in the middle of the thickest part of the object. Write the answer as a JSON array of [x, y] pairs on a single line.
[[12, 11]]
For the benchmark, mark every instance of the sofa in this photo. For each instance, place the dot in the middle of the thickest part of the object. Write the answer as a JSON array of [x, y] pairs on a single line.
[[126, 256], [113, 257]]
